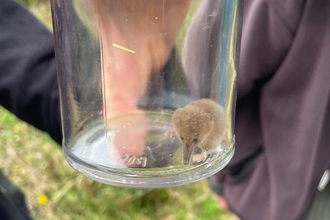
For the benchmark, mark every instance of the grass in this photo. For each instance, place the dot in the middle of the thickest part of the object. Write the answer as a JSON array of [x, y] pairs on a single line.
[[53, 190]]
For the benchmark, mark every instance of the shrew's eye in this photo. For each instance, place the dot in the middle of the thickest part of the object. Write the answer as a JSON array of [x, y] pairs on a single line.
[[195, 140], [182, 138]]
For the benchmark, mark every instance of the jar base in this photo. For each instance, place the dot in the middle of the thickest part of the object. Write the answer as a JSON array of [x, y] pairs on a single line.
[[137, 178]]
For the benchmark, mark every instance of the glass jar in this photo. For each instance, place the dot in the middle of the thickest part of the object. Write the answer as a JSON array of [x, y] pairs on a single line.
[[147, 88]]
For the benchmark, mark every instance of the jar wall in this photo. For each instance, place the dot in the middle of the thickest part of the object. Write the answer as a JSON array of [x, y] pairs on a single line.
[[147, 88]]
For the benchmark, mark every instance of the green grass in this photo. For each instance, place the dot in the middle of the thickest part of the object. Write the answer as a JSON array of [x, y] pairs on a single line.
[[54, 190]]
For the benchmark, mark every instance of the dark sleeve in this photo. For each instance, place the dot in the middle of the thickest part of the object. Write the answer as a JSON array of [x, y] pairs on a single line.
[[267, 34], [283, 106], [28, 83]]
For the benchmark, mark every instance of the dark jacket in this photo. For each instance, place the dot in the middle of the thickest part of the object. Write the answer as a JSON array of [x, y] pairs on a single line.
[[283, 106], [28, 82]]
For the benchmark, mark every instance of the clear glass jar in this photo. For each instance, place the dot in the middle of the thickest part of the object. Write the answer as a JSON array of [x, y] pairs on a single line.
[[147, 88]]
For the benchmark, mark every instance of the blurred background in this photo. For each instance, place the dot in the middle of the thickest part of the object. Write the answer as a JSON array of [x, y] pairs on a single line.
[[53, 190]]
